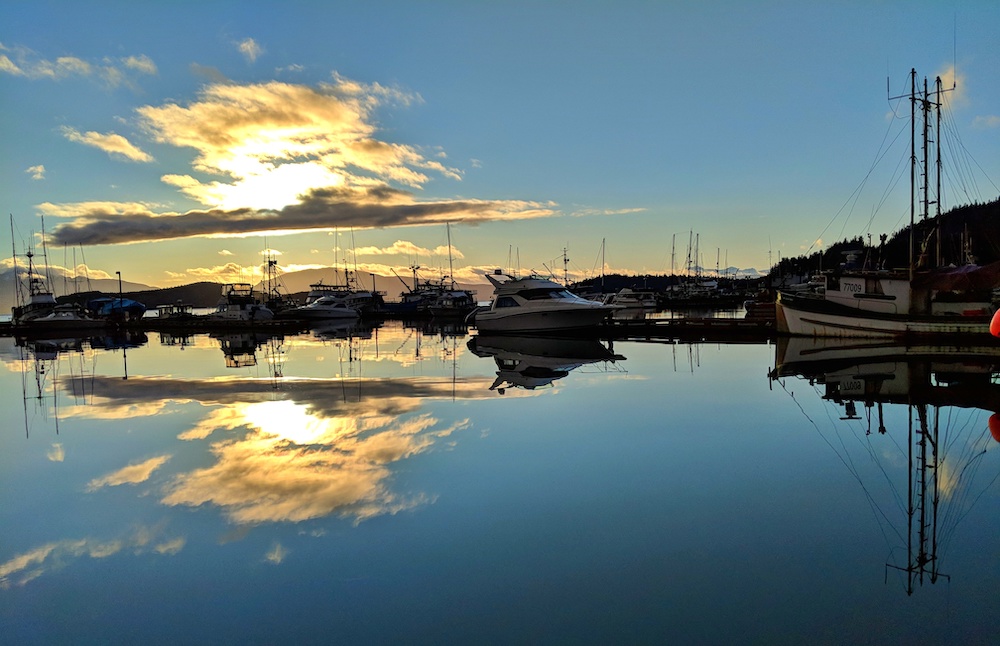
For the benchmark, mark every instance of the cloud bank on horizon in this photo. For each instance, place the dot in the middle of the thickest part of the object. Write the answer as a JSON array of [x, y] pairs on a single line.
[[276, 157]]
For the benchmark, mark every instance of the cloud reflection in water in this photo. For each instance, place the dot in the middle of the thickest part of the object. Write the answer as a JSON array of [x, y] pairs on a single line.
[[315, 448]]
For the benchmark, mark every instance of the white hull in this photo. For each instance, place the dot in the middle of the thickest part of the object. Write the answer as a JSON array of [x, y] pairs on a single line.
[[796, 320], [542, 320]]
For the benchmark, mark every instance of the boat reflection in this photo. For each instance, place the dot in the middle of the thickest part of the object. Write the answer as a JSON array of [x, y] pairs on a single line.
[[934, 408], [533, 362], [43, 364], [240, 349]]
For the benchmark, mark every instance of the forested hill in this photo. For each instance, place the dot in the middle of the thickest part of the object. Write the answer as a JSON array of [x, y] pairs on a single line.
[[202, 294], [975, 225]]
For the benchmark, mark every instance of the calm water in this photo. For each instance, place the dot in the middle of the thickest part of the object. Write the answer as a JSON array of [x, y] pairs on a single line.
[[404, 486]]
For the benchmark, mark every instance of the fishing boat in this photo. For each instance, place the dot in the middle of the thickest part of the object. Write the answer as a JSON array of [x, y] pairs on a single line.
[[238, 304], [536, 304], [934, 296], [36, 311]]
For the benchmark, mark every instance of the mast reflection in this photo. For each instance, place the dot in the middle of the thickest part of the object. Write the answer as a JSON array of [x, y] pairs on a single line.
[[946, 393]]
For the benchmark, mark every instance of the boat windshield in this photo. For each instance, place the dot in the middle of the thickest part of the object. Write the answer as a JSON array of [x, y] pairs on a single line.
[[545, 293]]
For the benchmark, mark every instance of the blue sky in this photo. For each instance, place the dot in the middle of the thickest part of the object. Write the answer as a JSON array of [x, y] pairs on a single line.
[[167, 139]]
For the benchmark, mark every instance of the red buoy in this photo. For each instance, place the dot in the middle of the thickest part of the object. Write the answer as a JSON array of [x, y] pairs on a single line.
[[995, 324], [995, 426]]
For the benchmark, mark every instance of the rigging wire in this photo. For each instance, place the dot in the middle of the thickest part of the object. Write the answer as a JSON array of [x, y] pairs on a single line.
[[876, 510], [856, 194]]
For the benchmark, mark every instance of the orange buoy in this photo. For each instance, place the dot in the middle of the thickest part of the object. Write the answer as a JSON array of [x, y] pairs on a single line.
[[995, 426]]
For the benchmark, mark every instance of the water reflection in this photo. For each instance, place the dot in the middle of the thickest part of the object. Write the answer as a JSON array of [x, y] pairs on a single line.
[[943, 435], [534, 362]]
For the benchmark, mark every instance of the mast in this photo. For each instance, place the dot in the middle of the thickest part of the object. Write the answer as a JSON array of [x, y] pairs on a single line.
[[937, 192], [913, 161], [18, 288], [451, 269]]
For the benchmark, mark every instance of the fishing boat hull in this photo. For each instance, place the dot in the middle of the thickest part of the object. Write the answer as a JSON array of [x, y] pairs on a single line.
[[816, 317]]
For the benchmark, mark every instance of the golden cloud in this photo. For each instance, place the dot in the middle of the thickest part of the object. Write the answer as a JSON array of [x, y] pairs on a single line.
[[111, 143], [132, 474]]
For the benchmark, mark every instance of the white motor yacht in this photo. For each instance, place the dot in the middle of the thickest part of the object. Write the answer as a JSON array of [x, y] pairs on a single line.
[[536, 304], [324, 307]]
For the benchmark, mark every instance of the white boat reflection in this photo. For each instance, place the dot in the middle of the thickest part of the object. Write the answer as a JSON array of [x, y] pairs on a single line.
[[533, 362], [950, 399]]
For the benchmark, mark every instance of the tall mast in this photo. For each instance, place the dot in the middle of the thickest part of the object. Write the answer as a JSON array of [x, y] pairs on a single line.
[[913, 161], [451, 269], [937, 141], [18, 288]]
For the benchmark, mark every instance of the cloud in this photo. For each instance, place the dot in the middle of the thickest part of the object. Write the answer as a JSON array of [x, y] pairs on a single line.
[[112, 71], [111, 143], [57, 453], [279, 140], [951, 78], [407, 248], [132, 474], [36, 172], [321, 210], [986, 122], [276, 554], [250, 49], [225, 252], [279, 157], [142, 64], [28, 566]]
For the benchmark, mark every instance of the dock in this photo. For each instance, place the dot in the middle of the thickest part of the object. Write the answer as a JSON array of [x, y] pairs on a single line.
[[682, 328]]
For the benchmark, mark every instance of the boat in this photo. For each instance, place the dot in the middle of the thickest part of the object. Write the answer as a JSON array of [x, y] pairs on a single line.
[[933, 296], [61, 319], [116, 308], [324, 307], [536, 304], [238, 304], [37, 312], [365, 301]]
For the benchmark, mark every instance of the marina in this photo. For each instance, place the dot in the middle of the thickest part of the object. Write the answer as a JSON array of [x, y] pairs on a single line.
[[500, 323], [390, 471]]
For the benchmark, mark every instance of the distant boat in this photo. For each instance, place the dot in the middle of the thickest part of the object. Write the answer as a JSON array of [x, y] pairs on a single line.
[[116, 308], [536, 304], [325, 307], [929, 298], [238, 304], [628, 297]]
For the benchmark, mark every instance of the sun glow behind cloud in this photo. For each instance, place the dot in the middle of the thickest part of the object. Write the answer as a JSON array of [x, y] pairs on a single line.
[[278, 157]]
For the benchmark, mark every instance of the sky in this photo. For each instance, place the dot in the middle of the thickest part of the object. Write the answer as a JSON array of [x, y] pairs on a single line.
[[182, 141]]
